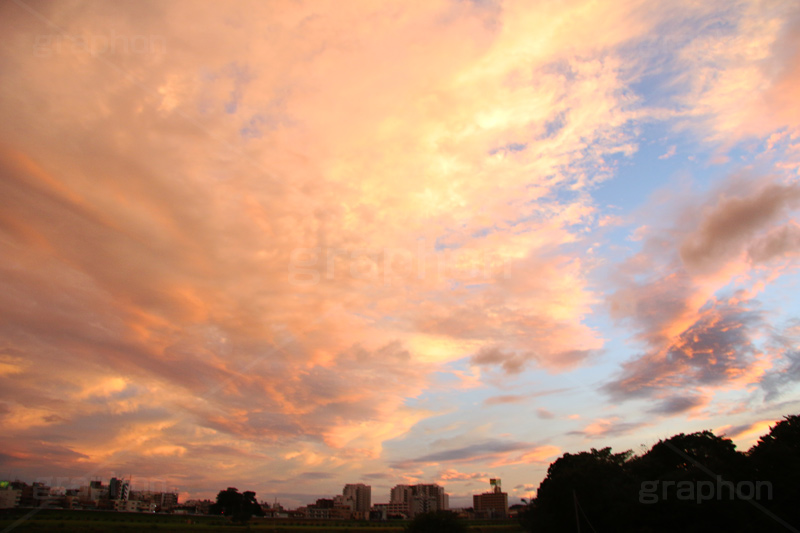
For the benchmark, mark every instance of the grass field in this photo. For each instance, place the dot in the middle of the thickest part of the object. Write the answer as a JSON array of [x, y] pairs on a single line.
[[23, 520]]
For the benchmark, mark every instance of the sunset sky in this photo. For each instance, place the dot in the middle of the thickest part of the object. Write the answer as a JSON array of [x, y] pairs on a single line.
[[287, 245]]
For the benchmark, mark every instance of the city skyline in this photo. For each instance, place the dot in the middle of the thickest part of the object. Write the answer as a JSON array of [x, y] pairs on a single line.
[[355, 496], [298, 245]]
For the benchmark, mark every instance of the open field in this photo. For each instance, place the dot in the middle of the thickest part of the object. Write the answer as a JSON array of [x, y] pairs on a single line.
[[63, 521]]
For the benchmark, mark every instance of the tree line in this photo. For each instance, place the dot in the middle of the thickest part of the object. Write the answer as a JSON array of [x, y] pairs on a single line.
[[688, 483]]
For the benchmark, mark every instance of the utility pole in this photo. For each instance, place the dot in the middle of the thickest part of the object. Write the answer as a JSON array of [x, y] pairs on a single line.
[[575, 502]]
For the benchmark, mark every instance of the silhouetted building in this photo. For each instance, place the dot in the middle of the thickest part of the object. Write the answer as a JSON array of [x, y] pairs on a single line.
[[324, 503], [169, 500], [379, 512], [321, 509], [321, 513], [9, 496], [492, 504], [90, 495], [25, 493], [202, 506], [41, 495], [114, 488], [154, 500]]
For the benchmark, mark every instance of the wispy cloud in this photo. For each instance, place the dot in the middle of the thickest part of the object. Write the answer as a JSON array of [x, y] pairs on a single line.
[[610, 427], [669, 153], [519, 398]]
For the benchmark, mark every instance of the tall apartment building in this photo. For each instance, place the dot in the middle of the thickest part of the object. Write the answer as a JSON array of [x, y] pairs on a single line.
[[360, 495], [169, 500], [401, 494], [412, 500], [118, 489], [114, 488]]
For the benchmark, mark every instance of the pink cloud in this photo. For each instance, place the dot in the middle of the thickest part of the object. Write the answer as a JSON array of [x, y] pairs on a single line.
[[733, 221], [609, 427]]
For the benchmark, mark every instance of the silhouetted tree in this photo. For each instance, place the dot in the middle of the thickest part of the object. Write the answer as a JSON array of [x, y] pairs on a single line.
[[691, 481], [240, 507], [525, 514], [696, 451], [776, 458], [591, 487], [688, 483], [437, 522]]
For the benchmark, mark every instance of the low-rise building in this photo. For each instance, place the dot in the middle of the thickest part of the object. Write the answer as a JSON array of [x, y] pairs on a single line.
[[493, 504], [379, 511]]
